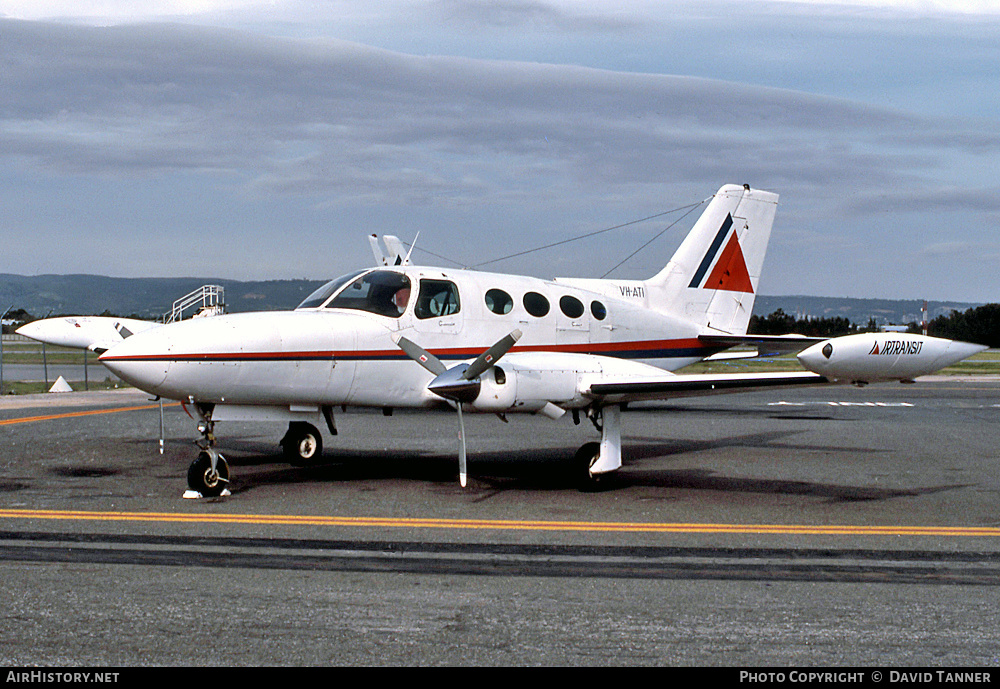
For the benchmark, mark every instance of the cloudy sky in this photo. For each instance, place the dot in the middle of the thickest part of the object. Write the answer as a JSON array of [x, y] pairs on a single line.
[[254, 139]]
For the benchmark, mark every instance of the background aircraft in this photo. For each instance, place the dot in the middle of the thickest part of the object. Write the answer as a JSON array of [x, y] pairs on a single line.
[[96, 333], [410, 336]]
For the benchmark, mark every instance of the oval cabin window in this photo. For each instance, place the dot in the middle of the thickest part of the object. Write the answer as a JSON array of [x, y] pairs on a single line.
[[571, 306], [536, 304], [499, 302]]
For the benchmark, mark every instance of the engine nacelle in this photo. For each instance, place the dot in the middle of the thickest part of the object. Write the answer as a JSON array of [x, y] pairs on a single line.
[[869, 357], [529, 382]]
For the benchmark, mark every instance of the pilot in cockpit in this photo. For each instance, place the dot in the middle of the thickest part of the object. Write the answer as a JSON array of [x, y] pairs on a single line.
[[401, 298]]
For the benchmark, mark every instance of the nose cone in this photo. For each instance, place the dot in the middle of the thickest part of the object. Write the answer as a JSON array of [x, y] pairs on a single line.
[[816, 357], [141, 360]]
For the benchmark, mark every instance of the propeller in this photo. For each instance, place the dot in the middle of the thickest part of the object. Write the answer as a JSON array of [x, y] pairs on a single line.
[[460, 383]]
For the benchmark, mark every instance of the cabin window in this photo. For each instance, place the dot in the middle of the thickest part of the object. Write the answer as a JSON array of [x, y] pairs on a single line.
[[571, 306], [381, 292], [598, 310], [499, 302], [437, 298], [318, 297], [536, 304]]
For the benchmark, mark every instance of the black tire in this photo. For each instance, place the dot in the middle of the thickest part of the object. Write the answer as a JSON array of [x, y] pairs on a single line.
[[302, 444], [585, 458], [202, 479]]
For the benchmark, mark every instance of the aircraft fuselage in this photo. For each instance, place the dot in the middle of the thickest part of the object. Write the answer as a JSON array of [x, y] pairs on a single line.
[[338, 348]]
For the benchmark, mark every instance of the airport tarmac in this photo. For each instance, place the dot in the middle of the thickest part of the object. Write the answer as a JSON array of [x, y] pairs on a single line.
[[801, 528]]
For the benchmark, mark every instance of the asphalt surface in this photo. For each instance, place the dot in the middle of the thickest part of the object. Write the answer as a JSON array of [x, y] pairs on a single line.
[[800, 528]]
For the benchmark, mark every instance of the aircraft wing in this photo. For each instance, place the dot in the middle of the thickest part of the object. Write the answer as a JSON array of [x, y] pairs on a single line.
[[767, 345], [569, 380], [634, 389]]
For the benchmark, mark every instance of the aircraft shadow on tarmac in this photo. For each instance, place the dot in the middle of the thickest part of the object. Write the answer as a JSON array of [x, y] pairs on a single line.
[[547, 469]]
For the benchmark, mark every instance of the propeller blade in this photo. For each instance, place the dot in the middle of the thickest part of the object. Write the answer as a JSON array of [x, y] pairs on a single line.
[[488, 358], [462, 473], [458, 383], [420, 355]]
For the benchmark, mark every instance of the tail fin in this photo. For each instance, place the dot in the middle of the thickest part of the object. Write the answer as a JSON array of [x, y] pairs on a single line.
[[712, 278]]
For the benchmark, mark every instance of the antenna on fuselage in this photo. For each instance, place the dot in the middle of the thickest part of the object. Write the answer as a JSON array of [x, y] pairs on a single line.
[[406, 261]]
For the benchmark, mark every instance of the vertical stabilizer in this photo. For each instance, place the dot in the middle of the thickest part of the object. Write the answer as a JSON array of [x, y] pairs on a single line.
[[712, 278]]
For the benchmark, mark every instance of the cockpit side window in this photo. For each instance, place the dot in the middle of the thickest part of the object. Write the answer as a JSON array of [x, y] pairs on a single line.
[[437, 298], [381, 292]]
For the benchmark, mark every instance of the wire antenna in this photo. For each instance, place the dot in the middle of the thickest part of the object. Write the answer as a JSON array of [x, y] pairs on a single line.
[[689, 208], [655, 237]]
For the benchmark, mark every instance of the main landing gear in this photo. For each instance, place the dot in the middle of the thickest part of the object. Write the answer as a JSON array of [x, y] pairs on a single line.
[[302, 444], [595, 463]]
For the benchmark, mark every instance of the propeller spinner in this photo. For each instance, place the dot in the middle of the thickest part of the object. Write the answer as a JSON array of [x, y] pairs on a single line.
[[460, 383]]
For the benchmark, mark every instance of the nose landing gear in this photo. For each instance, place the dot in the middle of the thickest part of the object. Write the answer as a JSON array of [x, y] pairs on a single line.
[[208, 475]]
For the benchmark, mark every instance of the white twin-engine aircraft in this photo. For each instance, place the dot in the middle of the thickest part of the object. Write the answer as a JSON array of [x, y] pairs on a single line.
[[410, 336]]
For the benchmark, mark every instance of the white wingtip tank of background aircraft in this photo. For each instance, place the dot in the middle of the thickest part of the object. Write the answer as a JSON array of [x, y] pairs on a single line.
[[96, 333], [407, 336]]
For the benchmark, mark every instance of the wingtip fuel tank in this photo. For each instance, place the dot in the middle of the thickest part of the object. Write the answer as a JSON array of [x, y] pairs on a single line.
[[872, 357], [97, 333]]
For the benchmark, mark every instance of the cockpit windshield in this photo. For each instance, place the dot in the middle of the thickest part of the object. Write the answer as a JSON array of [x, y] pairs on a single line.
[[326, 291], [383, 292]]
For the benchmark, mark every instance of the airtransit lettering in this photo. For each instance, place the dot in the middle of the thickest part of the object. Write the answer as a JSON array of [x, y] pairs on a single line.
[[896, 348]]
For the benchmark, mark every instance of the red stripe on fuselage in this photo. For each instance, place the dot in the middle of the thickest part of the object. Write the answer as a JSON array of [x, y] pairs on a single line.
[[681, 347]]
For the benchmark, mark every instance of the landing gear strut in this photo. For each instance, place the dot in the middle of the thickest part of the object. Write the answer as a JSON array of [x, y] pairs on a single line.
[[302, 444], [595, 463]]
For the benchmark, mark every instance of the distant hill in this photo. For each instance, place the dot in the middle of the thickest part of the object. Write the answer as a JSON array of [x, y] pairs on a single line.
[[152, 297], [144, 297], [858, 311]]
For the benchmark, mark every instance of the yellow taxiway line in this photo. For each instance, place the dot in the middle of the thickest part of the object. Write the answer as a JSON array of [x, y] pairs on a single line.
[[89, 412], [504, 524]]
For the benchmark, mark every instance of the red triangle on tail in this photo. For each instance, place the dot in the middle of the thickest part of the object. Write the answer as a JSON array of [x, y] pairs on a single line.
[[730, 272]]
